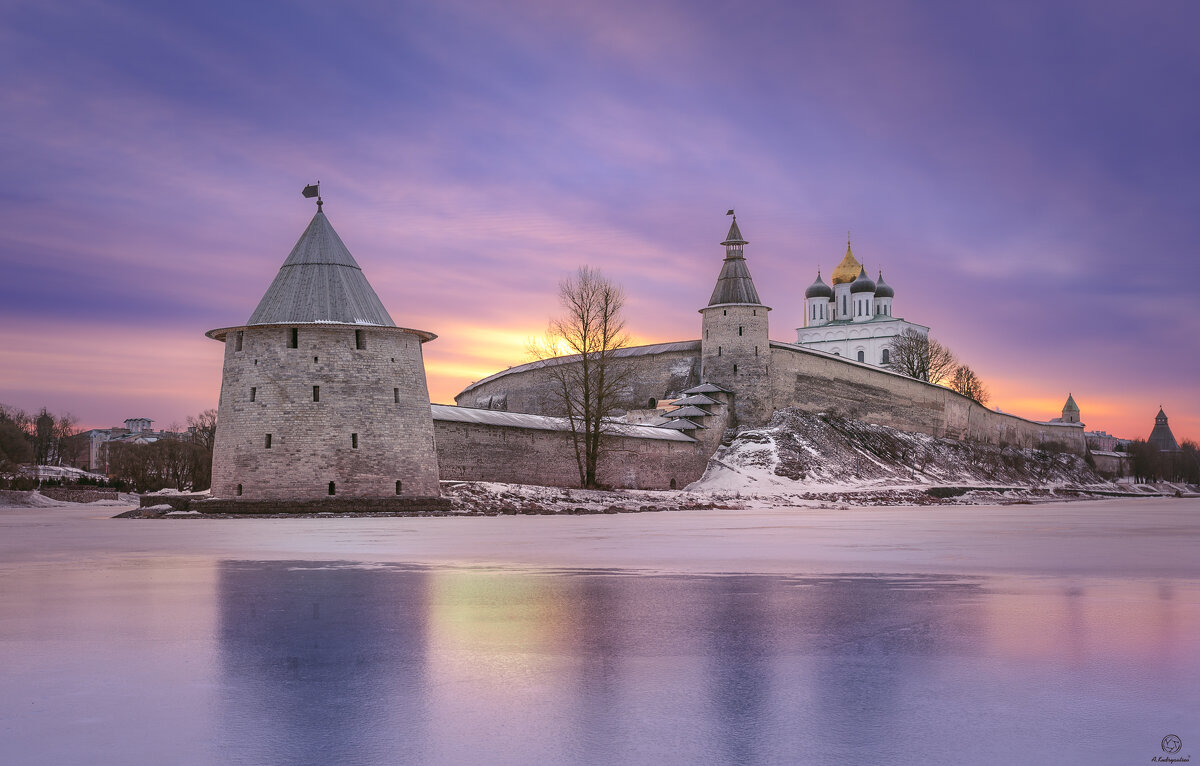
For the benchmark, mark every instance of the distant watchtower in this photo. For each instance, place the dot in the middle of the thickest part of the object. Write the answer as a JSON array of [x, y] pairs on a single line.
[[1070, 410], [321, 393], [1161, 437], [735, 352]]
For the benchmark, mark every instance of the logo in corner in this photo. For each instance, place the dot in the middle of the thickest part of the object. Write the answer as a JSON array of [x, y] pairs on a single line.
[[1171, 744]]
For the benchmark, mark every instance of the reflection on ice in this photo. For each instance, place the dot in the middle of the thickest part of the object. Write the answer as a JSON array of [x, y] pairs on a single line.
[[341, 663]]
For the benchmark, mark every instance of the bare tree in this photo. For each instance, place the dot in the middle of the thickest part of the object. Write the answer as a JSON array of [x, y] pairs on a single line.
[[918, 356], [588, 381], [205, 425], [967, 383]]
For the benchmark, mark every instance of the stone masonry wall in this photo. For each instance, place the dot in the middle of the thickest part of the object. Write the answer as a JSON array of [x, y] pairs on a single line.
[[816, 382], [73, 495], [476, 452], [530, 389], [311, 441]]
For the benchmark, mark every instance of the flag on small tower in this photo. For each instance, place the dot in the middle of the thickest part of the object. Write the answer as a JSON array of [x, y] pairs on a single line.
[[729, 212], [312, 190]]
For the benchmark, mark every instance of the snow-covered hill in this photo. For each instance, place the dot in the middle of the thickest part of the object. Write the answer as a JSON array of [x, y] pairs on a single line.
[[800, 451]]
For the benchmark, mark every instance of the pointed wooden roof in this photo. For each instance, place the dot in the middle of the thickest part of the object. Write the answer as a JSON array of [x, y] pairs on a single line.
[[320, 282]]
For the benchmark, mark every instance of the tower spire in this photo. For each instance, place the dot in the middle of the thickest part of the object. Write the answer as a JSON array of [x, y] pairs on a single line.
[[734, 284]]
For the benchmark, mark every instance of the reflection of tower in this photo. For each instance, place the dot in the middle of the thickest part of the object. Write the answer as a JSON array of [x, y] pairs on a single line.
[[321, 393], [741, 655], [735, 351], [321, 664]]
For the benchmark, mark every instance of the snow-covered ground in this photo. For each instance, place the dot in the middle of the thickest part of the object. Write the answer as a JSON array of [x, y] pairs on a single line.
[[1143, 536]]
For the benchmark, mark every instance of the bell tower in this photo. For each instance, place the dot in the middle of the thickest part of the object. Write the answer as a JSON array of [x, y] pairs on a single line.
[[735, 352]]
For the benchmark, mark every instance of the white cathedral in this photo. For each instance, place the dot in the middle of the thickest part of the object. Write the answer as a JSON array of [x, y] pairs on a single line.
[[852, 319]]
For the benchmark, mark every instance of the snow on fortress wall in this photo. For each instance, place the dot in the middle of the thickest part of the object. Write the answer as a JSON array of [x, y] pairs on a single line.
[[483, 445], [818, 382], [810, 380]]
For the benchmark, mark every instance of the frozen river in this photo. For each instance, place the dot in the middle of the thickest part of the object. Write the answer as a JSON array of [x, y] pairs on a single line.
[[1063, 633]]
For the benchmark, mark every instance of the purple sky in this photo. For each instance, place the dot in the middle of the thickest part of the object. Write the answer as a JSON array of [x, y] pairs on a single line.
[[1025, 174]]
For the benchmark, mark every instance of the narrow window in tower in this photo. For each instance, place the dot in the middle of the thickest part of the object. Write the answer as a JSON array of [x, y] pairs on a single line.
[[358, 340], [332, 488], [756, 350], [294, 338], [735, 369], [316, 393], [754, 312], [253, 391], [239, 490], [268, 441], [238, 342], [353, 441], [315, 359], [739, 332], [724, 312], [718, 350], [399, 486], [706, 333], [396, 395]]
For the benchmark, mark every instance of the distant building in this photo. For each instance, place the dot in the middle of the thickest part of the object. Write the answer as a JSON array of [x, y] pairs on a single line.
[[1161, 437], [1102, 441], [136, 431], [853, 318]]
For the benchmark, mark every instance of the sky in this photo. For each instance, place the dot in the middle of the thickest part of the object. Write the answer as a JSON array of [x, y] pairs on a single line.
[[1024, 174]]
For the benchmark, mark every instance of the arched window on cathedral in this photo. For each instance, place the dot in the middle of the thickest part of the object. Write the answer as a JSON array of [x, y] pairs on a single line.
[[887, 357], [862, 356]]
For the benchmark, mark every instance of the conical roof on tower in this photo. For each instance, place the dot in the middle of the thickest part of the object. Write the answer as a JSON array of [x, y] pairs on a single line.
[[1070, 406], [320, 282], [1161, 437], [734, 283], [734, 237]]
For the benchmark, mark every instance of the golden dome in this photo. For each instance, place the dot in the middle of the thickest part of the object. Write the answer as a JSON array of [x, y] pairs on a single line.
[[846, 271]]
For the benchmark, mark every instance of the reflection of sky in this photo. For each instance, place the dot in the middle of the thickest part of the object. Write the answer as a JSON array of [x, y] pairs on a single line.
[[1024, 175], [296, 662]]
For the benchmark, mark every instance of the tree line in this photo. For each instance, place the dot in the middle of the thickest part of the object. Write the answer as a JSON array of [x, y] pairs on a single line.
[[1151, 465], [181, 460]]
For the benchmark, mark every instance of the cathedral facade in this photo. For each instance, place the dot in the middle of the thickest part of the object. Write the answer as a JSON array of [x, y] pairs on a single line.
[[853, 318]]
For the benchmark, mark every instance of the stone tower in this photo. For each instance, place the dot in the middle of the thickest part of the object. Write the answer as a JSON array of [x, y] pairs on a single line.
[[734, 350], [321, 393], [1070, 410], [1161, 437]]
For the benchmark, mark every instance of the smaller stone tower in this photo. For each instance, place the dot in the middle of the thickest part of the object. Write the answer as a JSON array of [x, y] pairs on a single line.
[[1161, 437], [321, 393], [1070, 411], [735, 352]]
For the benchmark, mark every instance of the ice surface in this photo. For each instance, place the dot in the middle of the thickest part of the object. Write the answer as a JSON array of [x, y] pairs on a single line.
[[1061, 633]]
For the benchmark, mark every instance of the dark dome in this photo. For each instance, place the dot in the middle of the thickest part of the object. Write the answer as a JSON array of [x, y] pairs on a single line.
[[863, 284], [883, 289], [818, 289]]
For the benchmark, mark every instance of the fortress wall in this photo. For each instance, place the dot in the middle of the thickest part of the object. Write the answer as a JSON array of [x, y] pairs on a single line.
[[817, 382], [529, 388], [479, 452]]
